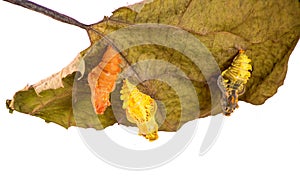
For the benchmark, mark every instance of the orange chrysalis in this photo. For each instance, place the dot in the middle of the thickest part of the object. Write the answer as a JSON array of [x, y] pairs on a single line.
[[102, 79]]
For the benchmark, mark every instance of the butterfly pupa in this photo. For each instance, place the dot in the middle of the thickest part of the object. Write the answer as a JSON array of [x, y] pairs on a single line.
[[140, 110], [102, 79], [232, 82]]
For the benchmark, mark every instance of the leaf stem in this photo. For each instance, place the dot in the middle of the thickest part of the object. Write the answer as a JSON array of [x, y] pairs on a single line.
[[48, 12]]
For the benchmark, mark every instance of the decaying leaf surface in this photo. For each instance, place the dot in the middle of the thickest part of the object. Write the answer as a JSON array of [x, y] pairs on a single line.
[[55, 81], [51, 105], [267, 30]]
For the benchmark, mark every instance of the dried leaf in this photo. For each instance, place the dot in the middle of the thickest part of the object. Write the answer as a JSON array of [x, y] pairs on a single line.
[[50, 105], [267, 30]]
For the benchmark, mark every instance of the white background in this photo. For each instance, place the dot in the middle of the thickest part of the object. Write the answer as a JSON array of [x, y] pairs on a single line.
[[258, 149]]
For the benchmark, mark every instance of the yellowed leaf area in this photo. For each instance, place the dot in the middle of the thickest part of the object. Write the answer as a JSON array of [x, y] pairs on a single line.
[[140, 109], [55, 81]]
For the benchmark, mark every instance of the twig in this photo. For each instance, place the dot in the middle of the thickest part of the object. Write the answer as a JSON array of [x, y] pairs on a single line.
[[46, 11]]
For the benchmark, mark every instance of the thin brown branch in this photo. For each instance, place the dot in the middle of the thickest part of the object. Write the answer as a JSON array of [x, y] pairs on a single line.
[[50, 13]]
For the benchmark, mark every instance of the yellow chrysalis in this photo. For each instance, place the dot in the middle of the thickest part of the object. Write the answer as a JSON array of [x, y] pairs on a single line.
[[232, 82], [140, 109]]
